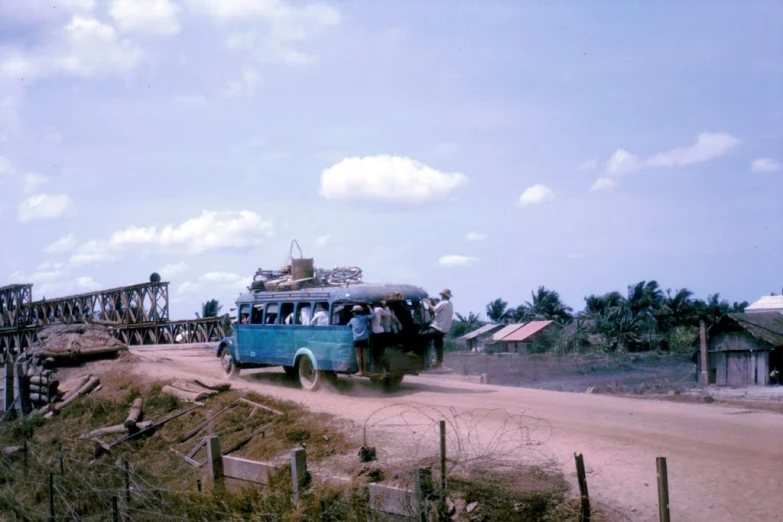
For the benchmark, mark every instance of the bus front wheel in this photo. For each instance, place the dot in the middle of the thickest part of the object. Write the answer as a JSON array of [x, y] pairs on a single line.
[[230, 368], [309, 377]]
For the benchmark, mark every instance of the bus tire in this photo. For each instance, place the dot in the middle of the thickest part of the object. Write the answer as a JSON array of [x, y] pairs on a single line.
[[230, 368], [392, 382], [309, 377]]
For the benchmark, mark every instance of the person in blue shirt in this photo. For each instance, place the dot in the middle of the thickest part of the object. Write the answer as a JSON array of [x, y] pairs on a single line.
[[360, 327]]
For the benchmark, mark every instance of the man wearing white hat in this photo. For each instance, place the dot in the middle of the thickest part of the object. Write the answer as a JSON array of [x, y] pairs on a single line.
[[360, 327], [443, 314]]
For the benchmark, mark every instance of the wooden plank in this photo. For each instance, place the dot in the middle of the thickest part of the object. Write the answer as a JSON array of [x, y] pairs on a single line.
[[247, 470]]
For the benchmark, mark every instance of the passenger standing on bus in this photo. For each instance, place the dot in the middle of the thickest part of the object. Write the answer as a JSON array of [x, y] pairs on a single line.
[[359, 324], [443, 313], [391, 324]]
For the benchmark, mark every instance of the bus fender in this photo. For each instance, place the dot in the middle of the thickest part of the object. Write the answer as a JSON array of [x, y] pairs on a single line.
[[305, 352], [227, 343]]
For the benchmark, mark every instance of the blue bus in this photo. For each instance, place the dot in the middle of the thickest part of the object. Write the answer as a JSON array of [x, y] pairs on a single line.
[[306, 332]]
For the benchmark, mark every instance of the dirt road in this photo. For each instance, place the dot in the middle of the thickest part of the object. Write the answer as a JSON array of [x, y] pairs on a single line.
[[724, 463]]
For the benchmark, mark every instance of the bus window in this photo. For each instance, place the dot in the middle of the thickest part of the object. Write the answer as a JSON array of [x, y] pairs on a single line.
[[321, 315], [341, 314], [257, 316], [287, 313], [270, 317], [244, 314], [303, 313]]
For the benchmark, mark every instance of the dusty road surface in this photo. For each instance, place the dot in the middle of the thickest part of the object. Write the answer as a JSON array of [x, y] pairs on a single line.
[[725, 464]]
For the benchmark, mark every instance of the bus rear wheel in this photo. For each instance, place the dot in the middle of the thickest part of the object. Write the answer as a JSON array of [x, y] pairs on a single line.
[[309, 377]]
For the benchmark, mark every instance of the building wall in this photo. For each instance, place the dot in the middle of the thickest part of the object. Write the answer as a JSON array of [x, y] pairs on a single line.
[[739, 368], [735, 341]]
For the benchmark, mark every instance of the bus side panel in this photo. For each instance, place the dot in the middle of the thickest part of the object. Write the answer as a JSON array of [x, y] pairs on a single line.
[[332, 346], [268, 344]]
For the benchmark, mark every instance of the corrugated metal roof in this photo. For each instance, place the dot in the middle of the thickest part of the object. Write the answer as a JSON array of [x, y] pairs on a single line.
[[506, 330], [768, 302], [526, 331], [487, 328]]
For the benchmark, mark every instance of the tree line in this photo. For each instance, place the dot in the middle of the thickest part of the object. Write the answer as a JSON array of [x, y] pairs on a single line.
[[646, 317]]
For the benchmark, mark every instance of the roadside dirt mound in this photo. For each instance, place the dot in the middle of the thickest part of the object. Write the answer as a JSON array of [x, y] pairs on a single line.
[[74, 341]]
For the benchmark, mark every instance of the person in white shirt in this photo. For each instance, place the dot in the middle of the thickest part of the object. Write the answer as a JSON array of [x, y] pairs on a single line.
[[443, 314], [320, 317], [304, 315]]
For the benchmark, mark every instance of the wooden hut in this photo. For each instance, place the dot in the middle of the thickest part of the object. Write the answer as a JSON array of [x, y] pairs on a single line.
[[743, 348]]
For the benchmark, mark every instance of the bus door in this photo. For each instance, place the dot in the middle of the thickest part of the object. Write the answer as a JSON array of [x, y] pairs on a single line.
[[243, 332]]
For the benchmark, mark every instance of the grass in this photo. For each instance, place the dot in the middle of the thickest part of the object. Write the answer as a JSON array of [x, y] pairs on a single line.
[[163, 485]]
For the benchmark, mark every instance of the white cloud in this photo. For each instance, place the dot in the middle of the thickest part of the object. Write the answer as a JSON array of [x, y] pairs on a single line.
[[216, 281], [145, 16], [209, 231], [708, 146], [33, 182], [51, 278], [457, 260], [536, 194], [173, 269], [83, 47], [765, 165], [286, 26], [590, 164], [62, 245], [50, 265], [6, 167], [246, 86], [603, 184], [387, 178], [45, 206], [321, 241], [475, 236], [93, 252]]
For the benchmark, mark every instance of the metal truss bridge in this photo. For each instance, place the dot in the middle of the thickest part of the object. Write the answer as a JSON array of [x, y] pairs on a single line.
[[137, 314]]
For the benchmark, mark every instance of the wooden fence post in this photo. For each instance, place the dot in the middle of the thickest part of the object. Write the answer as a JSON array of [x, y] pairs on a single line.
[[298, 471], [9, 386], [51, 496], [443, 458], [19, 389], [663, 489], [424, 488], [127, 484], [215, 460], [584, 511]]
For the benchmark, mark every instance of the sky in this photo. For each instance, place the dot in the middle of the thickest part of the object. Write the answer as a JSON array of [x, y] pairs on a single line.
[[488, 147]]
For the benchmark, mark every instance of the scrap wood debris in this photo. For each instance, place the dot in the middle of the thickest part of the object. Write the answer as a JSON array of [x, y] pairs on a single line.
[[199, 389], [210, 421]]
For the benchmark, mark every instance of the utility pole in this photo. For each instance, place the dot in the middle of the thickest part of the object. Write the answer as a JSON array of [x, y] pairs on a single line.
[[703, 379]]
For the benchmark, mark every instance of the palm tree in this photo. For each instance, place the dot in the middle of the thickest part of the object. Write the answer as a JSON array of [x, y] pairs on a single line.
[[676, 310], [599, 304], [211, 308], [644, 297], [472, 321], [546, 304], [497, 311], [464, 325]]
